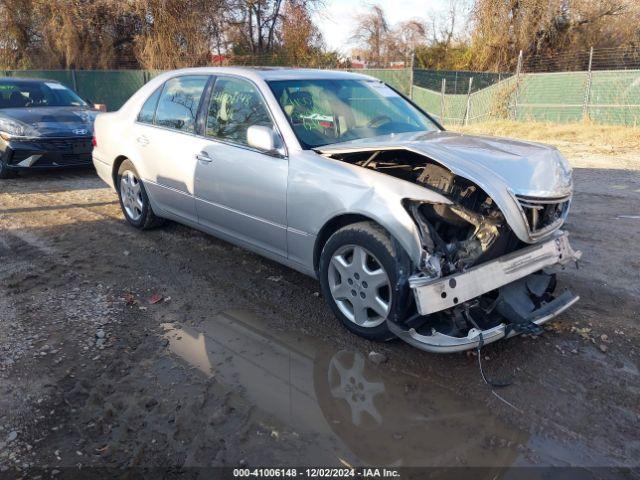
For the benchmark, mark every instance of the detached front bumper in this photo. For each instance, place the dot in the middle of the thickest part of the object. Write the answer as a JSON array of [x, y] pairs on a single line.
[[443, 293]]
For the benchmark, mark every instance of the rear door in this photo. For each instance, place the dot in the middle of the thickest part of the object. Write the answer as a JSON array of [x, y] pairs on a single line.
[[241, 191], [166, 141]]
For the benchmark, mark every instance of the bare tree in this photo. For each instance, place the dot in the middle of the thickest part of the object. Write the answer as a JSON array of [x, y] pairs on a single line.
[[408, 36], [168, 43], [545, 27], [17, 30], [371, 32]]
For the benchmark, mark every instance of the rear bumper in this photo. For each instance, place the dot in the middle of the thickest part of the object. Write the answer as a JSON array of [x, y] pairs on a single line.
[[436, 295], [104, 170], [46, 153]]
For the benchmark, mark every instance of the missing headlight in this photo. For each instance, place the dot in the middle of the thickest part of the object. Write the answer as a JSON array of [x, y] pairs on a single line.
[[460, 237]]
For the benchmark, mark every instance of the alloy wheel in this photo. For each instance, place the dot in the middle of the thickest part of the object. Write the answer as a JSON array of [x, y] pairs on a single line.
[[359, 286], [131, 195]]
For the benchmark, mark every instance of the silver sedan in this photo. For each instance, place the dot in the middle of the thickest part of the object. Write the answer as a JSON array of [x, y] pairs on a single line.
[[444, 240]]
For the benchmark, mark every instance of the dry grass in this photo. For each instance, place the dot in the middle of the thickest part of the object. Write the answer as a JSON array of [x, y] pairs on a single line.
[[605, 139]]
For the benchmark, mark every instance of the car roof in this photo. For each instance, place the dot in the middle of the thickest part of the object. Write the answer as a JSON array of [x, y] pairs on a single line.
[[275, 73]]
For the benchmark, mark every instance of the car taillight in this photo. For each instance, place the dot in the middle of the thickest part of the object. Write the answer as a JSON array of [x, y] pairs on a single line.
[[94, 142]]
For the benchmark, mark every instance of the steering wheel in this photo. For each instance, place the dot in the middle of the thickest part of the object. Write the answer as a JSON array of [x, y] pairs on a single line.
[[378, 121]]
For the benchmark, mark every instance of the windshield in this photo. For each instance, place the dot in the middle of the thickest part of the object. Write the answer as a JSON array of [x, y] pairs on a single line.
[[37, 94], [323, 112]]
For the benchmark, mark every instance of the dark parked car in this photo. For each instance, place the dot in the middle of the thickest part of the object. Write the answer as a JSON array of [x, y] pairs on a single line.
[[43, 124]]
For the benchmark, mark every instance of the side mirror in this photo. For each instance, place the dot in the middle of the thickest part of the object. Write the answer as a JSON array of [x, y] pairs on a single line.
[[98, 107], [263, 138]]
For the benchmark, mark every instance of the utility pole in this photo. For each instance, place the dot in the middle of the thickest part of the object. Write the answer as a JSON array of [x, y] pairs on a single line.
[[587, 93]]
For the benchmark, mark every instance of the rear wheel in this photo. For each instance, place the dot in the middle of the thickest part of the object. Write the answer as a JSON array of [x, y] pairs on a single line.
[[363, 274], [133, 198]]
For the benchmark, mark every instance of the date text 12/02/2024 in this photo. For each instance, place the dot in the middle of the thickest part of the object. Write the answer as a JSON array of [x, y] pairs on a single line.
[[316, 473]]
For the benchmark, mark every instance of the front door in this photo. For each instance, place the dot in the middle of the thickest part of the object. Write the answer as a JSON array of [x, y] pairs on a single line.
[[240, 191]]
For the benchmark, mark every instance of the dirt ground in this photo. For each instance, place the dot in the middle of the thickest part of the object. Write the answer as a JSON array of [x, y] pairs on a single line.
[[172, 349]]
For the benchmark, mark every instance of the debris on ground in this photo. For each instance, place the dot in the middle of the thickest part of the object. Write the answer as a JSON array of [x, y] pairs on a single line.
[[155, 298], [129, 298], [377, 358], [583, 332]]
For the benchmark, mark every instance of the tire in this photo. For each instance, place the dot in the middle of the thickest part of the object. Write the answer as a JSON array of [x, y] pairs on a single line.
[[134, 201], [366, 299], [6, 172]]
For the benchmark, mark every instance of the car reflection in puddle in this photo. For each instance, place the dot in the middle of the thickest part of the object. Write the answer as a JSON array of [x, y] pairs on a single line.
[[353, 409]]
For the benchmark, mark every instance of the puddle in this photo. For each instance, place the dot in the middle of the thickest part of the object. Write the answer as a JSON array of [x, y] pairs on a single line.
[[353, 409]]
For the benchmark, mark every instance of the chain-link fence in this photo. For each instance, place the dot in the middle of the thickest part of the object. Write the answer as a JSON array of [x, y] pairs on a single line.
[[597, 94], [535, 92], [113, 87], [456, 82]]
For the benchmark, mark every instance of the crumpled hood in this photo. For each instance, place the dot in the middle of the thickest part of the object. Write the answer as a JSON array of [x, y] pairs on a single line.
[[53, 121], [526, 168], [503, 168]]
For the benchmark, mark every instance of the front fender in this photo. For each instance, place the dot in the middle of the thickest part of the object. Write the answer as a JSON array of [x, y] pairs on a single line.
[[322, 189]]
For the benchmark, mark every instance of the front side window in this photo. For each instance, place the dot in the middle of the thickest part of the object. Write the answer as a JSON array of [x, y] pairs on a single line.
[[148, 110], [179, 102], [322, 112], [235, 105], [37, 94]]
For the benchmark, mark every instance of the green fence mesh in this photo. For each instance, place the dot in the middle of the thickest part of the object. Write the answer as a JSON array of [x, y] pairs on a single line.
[[429, 100], [456, 81], [607, 97], [551, 97], [399, 79], [493, 102], [615, 98], [110, 87]]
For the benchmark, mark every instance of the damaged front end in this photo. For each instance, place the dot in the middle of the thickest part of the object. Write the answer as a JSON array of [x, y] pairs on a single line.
[[477, 281], [500, 298]]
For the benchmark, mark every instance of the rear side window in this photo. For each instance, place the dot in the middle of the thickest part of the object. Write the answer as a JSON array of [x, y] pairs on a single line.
[[149, 108], [179, 101]]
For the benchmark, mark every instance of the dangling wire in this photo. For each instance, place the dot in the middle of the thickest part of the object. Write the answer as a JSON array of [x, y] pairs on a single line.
[[490, 383]]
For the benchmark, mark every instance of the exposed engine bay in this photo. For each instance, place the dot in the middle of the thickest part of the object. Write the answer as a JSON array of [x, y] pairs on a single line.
[[461, 241], [455, 237]]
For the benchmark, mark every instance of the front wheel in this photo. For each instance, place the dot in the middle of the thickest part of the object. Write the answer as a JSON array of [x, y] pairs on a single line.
[[364, 277], [133, 198]]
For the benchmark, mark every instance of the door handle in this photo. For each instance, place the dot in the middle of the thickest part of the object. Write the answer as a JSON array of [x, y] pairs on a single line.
[[204, 157], [143, 140]]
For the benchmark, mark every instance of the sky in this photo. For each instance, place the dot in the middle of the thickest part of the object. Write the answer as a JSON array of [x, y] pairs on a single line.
[[336, 20]]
